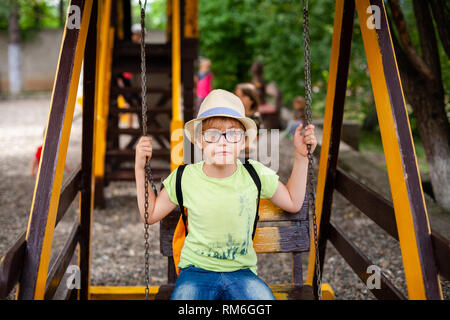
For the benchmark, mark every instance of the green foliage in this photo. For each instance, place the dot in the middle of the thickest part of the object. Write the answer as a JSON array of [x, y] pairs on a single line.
[[155, 17], [33, 15], [235, 33]]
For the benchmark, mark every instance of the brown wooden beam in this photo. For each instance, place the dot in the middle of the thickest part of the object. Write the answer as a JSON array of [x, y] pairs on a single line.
[[359, 263], [46, 197], [337, 86], [61, 263], [87, 154], [11, 266], [373, 205]]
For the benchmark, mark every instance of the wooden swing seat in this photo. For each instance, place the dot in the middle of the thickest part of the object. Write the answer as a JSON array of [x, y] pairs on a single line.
[[277, 232], [280, 291]]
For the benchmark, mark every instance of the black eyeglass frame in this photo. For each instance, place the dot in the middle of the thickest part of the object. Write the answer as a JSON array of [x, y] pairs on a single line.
[[242, 134]]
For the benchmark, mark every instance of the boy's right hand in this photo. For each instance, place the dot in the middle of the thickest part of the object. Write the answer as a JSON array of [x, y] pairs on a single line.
[[143, 149]]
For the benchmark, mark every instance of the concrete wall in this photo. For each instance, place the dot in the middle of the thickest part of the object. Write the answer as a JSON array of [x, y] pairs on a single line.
[[40, 58]]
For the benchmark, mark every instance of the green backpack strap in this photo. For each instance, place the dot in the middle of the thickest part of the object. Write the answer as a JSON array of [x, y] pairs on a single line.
[[251, 170], [180, 194]]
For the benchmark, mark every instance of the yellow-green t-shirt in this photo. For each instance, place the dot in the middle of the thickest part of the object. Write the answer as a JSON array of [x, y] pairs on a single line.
[[221, 213]]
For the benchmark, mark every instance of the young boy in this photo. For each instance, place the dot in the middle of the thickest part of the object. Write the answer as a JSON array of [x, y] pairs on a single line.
[[218, 260]]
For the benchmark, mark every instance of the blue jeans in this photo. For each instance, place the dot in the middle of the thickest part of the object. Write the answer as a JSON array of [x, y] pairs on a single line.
[[199, 284]]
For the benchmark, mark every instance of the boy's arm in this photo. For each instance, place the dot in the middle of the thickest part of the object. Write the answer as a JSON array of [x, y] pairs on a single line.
[[290, 197], [158, 207]]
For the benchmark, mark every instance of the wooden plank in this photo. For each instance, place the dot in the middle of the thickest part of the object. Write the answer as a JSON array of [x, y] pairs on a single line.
[[63, 292], [48, 184], [176, 61], [171, 272], [359, 263], [166, 231], [334, 110], [61, 263], [293, 238], [441, 248], [138, 110], [297, 268], [151, 131], [105, 41], [11, 266], [136, 90], [381, 211], [126, 20], [87, 154], [121, 293], [128, 175], [411, 215], [161, 66], [12, 263], [280, 291], [191, 29], [130, 49], [130, 154], [70, 189], [268, 212], [372, 204]]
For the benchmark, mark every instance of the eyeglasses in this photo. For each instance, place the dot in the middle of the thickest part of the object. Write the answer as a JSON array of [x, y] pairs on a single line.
[[232, 136]]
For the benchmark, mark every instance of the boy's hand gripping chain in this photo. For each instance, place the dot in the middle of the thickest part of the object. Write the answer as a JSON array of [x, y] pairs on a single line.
[[311, 183], [148, 170]]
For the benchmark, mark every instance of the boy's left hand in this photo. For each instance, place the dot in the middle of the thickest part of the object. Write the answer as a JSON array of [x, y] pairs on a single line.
[[302, 140]]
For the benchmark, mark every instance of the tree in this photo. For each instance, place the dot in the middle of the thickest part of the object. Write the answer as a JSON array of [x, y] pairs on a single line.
[[14, 50], [234, 33], [422, 81]]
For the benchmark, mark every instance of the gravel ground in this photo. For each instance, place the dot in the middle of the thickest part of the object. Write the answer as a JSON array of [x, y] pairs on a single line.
[[117, 234]]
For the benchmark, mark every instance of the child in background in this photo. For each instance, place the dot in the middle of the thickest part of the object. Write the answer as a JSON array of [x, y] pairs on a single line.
[[248, 94], [204, 80], [218, 260], [34, 166], [298, 117], [37, 159]]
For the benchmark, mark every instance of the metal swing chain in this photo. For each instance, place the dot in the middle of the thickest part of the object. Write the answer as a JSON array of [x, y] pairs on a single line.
[[311, 182], [148, 171]]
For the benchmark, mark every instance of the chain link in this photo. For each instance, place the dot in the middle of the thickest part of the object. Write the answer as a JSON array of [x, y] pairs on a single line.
[[311, 179], [148, 171]]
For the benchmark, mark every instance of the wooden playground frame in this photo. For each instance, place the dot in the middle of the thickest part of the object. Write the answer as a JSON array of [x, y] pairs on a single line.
[[426, 254]]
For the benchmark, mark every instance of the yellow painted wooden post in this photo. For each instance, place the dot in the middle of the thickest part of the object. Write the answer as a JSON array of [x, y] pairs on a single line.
[[407, 194], [169, 19], [324, 159], [120, 31], [106, 39], [191, 19], [41, 244], [86, 199], [177, 124], [409, 205]]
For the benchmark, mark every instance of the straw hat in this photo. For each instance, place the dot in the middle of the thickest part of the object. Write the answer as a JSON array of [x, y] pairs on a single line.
[[221, 103]]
